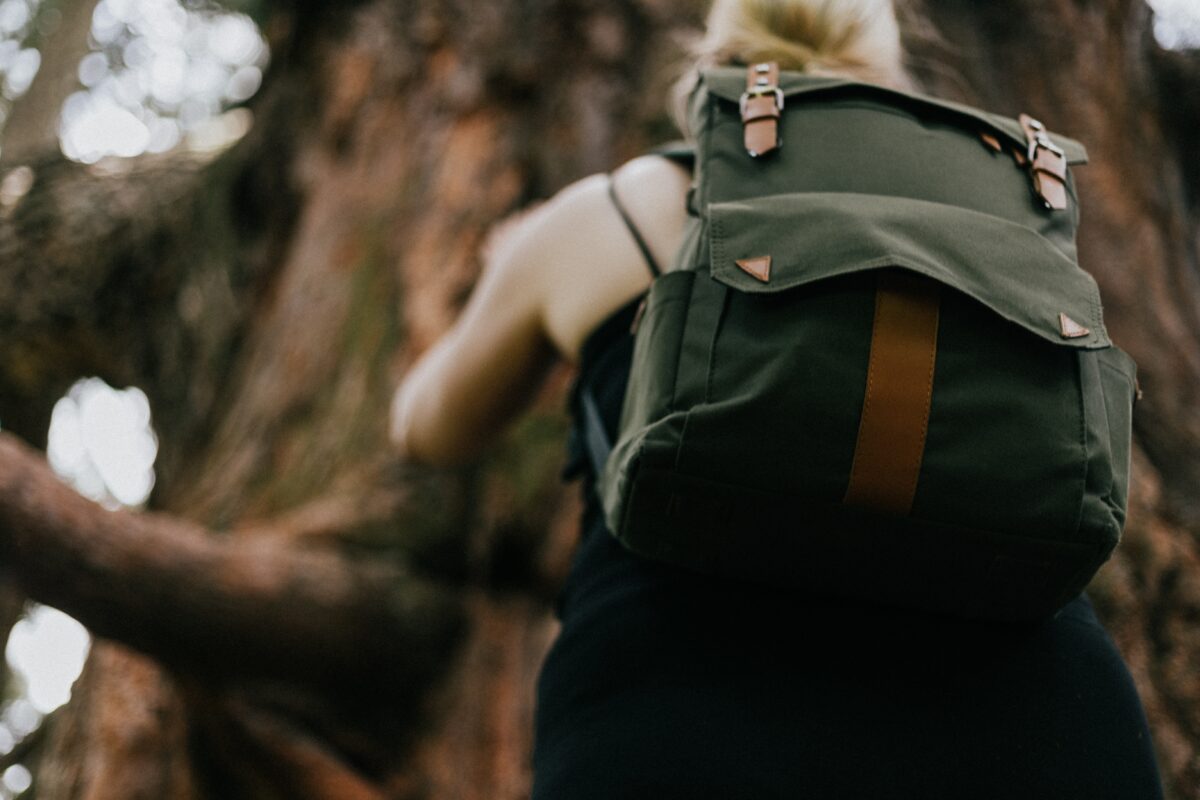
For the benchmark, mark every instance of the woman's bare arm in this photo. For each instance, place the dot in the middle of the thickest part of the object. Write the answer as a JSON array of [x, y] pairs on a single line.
[[546, 284]]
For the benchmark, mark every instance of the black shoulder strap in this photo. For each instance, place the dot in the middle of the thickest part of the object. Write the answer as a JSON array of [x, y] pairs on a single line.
[[595, 438], [637, 235], [681, 152]]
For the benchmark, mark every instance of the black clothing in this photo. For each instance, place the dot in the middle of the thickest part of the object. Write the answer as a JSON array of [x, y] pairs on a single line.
[[667, 684]]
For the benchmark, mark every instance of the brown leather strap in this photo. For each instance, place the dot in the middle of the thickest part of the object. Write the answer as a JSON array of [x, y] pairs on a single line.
[[895, 417], [761, 107], [1047, 164]]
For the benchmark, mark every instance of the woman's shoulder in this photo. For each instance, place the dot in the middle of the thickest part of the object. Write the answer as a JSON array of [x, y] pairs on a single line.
[[592, 262], [652, 188], [649, 187], [652, 192]]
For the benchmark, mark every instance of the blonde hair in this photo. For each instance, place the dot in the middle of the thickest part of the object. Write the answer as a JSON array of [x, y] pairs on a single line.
[[856, 38]]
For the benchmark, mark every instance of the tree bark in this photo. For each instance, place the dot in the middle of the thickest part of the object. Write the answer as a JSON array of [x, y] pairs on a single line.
[[31, 127], [220, 607], [269, 300], [12, 603]]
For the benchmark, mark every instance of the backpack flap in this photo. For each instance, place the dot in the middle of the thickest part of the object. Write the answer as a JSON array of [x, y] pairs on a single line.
[[837, 135], [729, 83], [807, 237]]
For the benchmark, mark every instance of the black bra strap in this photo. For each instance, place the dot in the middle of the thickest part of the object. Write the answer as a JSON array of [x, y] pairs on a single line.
[[637, 236]]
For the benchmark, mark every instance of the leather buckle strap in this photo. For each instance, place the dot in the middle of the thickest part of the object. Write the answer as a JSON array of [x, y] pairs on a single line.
[[761, 106], [1047, 164]]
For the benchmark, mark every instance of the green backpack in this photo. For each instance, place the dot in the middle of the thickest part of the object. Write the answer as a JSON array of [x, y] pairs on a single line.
[[876, 369]]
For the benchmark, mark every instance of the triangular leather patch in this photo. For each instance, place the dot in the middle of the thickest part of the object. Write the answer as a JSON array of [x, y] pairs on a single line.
[[758, 267], [1070, 328]]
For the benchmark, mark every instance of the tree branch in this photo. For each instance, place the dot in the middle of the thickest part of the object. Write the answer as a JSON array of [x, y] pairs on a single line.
[[215, 606]]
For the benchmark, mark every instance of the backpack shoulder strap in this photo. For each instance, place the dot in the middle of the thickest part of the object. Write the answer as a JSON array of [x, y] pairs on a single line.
[[595, 438], [681, 152]]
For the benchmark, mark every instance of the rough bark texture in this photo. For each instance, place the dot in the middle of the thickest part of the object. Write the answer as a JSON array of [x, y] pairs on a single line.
[[303, 617]]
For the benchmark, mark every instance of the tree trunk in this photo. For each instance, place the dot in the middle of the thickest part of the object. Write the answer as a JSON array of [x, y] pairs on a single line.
[[304, 617], [12, 603], [31, 127]]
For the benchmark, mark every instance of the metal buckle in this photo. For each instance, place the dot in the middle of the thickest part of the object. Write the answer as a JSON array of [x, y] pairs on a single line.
[[760, 92], [1041, 142]]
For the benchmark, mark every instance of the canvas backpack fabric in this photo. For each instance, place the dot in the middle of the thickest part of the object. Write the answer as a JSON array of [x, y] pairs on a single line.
[[875, 369]]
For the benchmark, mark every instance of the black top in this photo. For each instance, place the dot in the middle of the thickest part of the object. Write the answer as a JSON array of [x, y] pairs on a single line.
[[666, 684]]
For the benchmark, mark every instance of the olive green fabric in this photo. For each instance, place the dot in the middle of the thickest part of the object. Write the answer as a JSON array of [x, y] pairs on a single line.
[[741, 418], [816, 235], [729, 83]]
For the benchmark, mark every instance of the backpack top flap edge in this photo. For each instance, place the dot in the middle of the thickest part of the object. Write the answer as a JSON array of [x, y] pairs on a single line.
[[728, 83]]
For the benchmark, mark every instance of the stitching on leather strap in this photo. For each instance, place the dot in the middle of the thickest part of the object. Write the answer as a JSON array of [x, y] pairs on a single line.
[[899, 394]]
